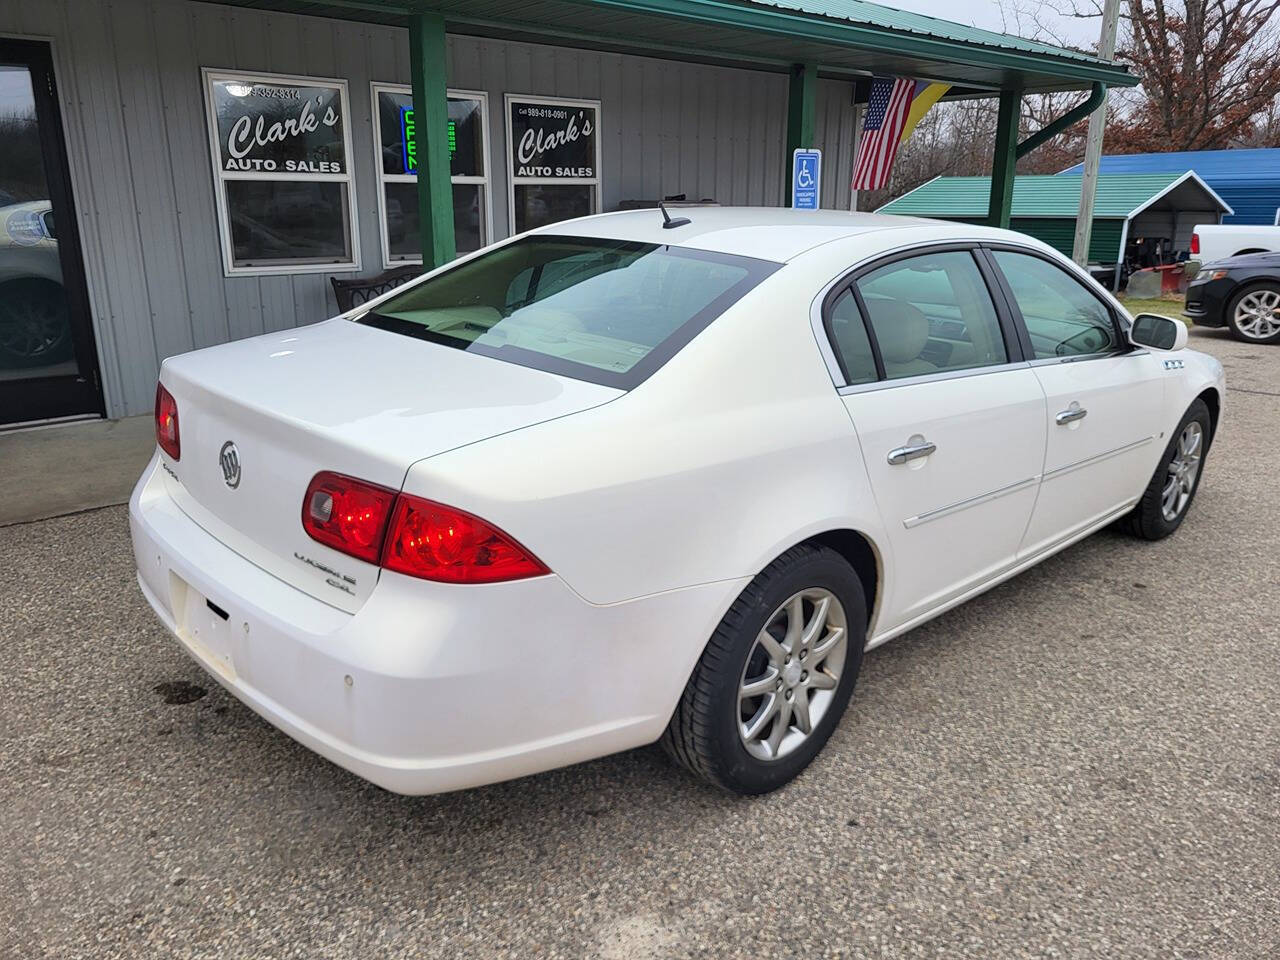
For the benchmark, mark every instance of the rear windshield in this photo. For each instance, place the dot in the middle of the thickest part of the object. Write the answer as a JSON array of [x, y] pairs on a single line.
[[606, 311]]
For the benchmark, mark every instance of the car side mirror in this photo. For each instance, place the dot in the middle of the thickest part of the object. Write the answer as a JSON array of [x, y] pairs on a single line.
[[1157, 332]]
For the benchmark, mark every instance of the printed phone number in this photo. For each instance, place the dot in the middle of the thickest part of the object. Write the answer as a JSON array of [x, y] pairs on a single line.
[[549, 113]]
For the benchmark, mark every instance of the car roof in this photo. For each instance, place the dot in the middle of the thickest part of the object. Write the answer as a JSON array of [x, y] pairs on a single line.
[[767, 233]]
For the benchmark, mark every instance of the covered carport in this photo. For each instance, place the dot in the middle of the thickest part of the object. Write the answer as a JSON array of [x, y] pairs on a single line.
[[1132, 212]]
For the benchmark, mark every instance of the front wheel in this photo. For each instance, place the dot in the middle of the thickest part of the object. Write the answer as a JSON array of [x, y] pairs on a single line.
[[775, 677], [1253, 315], [1173, 486]]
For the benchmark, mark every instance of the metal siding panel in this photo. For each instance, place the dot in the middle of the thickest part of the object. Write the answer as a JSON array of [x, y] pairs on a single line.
[[124, 280], [493, 78], [179, 29], [708, 148], [611, 131], [137, 45], [834, 136], [669, 146]]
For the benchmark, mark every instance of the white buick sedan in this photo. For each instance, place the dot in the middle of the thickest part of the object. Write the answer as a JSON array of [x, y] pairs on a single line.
[[620, 480]]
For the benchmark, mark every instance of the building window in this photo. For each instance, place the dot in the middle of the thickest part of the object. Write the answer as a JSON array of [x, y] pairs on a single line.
[[553, 159], [397, 146], [282, 155]]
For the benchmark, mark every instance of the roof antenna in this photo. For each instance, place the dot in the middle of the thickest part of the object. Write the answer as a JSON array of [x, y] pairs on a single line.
[[669, 222]]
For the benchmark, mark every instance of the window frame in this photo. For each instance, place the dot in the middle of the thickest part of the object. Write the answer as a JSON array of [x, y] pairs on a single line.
[[1019, 321], [1013, 344], [597, 203], [383, 178], [209, 76]]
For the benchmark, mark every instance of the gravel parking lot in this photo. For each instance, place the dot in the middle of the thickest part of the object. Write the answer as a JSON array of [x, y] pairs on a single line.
[[1083, 762]]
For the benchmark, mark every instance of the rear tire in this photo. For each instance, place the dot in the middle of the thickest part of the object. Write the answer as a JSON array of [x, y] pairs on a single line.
[[1167, 499], [1253, 314], [782, 636]]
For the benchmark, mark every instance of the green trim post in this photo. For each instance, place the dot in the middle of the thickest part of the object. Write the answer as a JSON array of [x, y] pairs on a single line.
[[431, 120], [802, 110], [1002, 165]]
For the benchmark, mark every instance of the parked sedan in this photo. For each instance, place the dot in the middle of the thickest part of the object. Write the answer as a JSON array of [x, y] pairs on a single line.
[[617, 481], [1241, 294]]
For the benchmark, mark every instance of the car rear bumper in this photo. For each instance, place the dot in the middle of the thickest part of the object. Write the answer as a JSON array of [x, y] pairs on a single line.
[[427, 687]]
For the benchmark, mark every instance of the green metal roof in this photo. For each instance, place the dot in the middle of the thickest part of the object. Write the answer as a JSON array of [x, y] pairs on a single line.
[[845, 38], [873, 14], [1119, 195]]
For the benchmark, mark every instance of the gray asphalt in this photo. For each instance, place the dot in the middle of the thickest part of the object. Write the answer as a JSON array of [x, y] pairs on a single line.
[[1082, 763]]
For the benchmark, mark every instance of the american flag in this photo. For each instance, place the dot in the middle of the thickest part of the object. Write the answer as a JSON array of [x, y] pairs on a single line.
[[886, 116]]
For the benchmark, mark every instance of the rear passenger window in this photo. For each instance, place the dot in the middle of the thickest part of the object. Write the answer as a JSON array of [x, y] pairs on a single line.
[[932, 314], [851, 341], [1063, 317]]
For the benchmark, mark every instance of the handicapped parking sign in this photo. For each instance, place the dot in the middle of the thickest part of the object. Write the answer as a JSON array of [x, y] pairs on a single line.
[[806, 179]]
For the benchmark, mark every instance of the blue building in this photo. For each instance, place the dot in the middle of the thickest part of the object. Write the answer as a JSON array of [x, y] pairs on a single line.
[[1248, 180]]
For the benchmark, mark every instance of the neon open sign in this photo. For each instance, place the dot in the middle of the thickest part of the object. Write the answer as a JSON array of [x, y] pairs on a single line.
[[409, 142]]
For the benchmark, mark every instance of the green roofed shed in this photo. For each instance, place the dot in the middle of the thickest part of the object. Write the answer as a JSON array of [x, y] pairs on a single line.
[[1127, 206]]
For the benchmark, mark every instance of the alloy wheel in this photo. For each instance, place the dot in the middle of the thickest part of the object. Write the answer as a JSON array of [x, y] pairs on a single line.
[[1257, 314], [32, 327], [791, 675], [1184, 468]]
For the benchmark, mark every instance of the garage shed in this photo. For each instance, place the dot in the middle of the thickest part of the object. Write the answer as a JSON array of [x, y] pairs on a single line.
[[1249, 180], [1129, 208]]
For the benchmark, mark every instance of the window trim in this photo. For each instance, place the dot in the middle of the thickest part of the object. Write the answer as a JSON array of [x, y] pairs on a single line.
[[383, 178], [1020, 323], [597, 202], [210, 75], [1014, 350]]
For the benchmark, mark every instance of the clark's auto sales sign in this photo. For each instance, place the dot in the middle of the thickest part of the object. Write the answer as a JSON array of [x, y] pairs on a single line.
[[278, 127], [553, 141]]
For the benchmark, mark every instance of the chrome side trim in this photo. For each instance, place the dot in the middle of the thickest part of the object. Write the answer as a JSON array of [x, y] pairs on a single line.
[[1082, 357], [965, 504], [932, 378], [1097, 458], [1014, 568]]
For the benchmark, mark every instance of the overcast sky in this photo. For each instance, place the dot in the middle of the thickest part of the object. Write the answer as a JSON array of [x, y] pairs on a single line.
[[987, 14]]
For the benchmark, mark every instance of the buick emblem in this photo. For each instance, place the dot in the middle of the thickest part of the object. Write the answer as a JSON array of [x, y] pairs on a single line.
[[229, 460]]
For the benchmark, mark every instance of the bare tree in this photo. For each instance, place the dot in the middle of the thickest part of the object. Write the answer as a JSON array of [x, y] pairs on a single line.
[[1210, 72]]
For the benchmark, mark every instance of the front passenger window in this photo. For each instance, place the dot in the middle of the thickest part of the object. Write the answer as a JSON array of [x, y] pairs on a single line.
[[932, 313], [1062, 316]]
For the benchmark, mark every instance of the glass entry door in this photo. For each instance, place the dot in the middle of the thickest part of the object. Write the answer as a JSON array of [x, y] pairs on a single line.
[[48, 364]]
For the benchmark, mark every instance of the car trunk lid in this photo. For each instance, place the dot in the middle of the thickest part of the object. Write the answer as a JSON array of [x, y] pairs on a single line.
[[259, 418]]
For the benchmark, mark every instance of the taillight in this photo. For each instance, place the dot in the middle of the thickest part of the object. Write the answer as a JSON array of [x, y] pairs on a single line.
[[347, 514], [435, 542], [1195, 243], [411, 535], [167, 423]]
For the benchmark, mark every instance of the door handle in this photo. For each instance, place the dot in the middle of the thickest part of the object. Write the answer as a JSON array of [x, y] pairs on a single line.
[[915, 451], [1071, 415]]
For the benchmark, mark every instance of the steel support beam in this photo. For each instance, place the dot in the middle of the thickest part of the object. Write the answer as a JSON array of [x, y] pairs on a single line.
[[1002, 164], [431, 136], [802, 110]]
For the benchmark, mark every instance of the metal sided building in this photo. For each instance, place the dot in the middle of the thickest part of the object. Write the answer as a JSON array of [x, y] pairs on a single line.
[[1126, 207], [1248, 180], [176, 174]]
